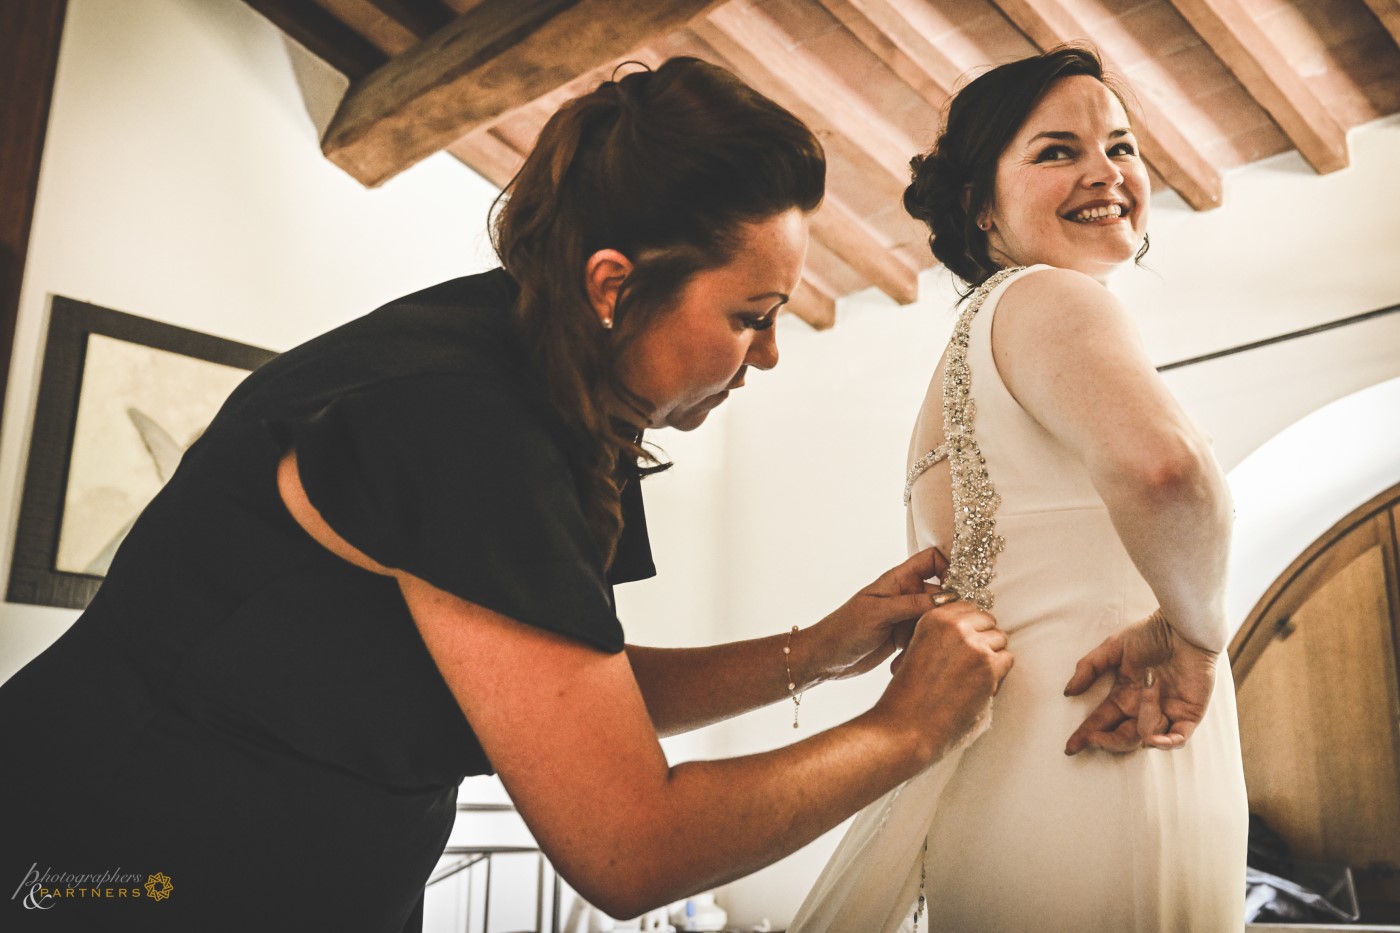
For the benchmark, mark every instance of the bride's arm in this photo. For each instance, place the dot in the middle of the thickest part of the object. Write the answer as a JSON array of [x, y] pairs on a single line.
[[1068, 352]]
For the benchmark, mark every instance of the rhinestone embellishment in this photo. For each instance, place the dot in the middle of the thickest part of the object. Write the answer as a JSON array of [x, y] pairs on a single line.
[[971, 562]]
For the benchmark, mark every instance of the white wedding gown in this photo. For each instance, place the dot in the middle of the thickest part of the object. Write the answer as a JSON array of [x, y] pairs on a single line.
[[1021, 838]]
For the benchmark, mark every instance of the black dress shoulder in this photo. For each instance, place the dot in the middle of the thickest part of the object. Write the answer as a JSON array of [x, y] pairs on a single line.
[[258, 720]]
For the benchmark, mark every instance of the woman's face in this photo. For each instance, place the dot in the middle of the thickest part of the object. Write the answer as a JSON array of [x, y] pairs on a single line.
[[1071, 189], [692, 354]]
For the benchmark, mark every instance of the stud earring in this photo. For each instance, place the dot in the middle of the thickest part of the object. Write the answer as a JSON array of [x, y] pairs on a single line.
[[607, 323], [984, 225]]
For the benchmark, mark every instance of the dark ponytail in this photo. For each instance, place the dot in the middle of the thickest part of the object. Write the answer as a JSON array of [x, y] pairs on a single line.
[[664, 166]]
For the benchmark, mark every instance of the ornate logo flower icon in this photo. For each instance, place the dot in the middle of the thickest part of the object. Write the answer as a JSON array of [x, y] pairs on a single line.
[[158, 886]]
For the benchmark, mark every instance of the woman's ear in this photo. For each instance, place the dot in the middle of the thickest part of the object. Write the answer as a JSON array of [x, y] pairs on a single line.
[[984, 220], [603, 275]]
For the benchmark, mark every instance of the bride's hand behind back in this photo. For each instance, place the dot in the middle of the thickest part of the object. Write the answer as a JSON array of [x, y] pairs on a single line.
[[1161, 686]]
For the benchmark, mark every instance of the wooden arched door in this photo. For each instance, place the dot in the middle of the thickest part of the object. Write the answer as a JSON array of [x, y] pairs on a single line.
[[1316, 671]]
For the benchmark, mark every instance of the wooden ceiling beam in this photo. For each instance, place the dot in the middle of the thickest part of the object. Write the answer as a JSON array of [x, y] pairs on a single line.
[[1048, 24], [860, 247], [547, 104], [798, 80], [497, 160], [1388, 12], [392, 26], [1259, 66], [323, 35], [383, 32], [485, 63], [488, 155], [419, 17], [899, 34]]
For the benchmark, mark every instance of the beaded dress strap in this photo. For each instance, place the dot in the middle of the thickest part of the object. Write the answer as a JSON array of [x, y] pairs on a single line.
[[936, 455], [975, 500]]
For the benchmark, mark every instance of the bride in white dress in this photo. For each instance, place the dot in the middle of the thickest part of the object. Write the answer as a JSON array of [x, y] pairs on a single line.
[[1078, 503]]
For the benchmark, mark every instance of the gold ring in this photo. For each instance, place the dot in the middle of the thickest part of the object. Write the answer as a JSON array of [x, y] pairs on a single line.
[[942, 599], [1150, 677]]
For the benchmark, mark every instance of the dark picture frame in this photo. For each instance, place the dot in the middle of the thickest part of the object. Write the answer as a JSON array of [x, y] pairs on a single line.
[[36, 576]]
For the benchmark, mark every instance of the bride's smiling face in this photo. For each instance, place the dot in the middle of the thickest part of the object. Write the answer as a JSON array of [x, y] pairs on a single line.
[[1071, 189]]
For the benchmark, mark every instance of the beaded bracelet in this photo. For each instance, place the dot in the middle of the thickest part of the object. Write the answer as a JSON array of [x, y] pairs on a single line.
[[792, 685]]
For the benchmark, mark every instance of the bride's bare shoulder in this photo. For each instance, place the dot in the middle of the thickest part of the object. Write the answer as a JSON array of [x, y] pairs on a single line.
[[1046, 295], [1056, 328], [1050, 311]]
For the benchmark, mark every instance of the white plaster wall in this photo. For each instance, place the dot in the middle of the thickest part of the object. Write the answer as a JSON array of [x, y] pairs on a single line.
[[1290, 249], [1293, 488]]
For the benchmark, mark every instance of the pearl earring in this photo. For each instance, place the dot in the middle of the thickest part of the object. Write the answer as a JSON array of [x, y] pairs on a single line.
[[607, 323]]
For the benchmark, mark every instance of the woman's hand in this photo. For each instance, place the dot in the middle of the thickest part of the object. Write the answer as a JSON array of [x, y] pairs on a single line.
[[1161, 687], [945, 679], [871, 625]]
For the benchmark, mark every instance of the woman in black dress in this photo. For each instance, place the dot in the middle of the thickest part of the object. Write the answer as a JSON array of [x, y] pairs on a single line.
[[388, 563]]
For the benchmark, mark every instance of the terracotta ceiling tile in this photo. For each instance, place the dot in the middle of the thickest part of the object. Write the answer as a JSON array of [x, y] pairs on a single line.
[[803, 20], [869, 77], [953, 15], [1255, 143], [1350, 103], [1374, 64], [898, 228], [864, 192], [1152, 30], [917, 255], [1091, 11], [1197, 70], [1245, 133], [1258, 9], [987, 40], [832, 270], [1292, 32], [1336, 21]]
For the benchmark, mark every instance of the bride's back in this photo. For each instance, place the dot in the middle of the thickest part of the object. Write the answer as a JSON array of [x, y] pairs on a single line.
[[1020, 836]]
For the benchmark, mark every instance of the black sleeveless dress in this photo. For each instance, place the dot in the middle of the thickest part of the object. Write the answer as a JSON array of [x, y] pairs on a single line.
[[257, 722]]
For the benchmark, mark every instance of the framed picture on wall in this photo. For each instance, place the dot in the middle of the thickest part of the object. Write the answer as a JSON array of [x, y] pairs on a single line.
[[120, 399]]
